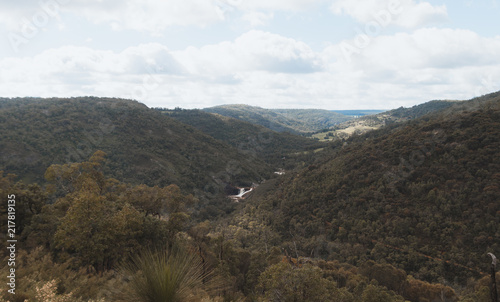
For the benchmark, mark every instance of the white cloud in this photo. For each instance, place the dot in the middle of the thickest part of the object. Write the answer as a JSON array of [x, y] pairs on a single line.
[[405, 13], [148, 15], [254, 50], [152, 58], [427, 64], [268, 70], [70, 71], [16, 16], [258, 18], [143, 15], [285, 5], [428, 48]]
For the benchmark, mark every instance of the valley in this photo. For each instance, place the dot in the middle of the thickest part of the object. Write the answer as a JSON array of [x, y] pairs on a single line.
[[394, 206]]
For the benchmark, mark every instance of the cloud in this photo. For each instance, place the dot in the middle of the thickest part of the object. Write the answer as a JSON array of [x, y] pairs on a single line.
[[283, 5], [257, 18], [394, 70], [404, 13], [230, 70], [70, 71], [14, 14], [254, 50], [141, 15], [151, 58], [428, 48], [151, 16], [427, 64], [268, 70]]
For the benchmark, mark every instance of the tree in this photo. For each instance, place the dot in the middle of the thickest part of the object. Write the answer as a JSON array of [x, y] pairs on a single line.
[[376, 294], [105, 221], [71, 177], [29, 201], [97, 228], [96, 232], [282, 282], [167, 203]]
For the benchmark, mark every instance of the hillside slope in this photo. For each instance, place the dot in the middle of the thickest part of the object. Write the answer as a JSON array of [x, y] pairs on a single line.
[[282, 120], [142, 145], [376, 121], [421, 195], [251, 139]]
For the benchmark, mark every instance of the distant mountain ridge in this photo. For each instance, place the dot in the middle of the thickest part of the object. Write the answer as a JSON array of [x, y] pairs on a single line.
[[359, 113], [282, 120]]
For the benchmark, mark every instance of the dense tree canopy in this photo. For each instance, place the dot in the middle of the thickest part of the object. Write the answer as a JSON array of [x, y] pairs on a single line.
[[404, 213]]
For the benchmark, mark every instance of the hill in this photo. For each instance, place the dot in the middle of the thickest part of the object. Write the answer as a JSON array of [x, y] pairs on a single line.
[[367, 123], [374, 218], [282, 120], [421, 195], [359, 113], [142, 145], [250, 139]]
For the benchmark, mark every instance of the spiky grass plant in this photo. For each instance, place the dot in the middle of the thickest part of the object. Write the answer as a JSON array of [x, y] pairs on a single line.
[[170, 275]]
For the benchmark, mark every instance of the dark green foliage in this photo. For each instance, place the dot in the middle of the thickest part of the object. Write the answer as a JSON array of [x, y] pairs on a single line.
[[405, 212], [143, 145], [370, 122], [94, 223], [421, 110], [282, 282], [282, 120], [29, 201], [423, 195], [105, 220], [250, 139]]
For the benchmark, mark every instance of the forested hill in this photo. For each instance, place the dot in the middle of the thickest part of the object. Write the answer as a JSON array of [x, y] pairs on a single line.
[[282, 120], [422, 195], [251, 139], [376, 121], [142, 145], [368, 219]]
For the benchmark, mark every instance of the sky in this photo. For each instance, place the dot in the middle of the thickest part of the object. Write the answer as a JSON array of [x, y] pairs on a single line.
[[326, 54]]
